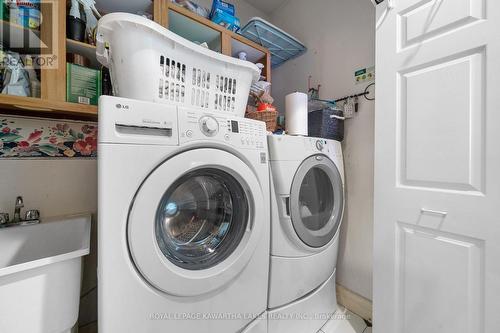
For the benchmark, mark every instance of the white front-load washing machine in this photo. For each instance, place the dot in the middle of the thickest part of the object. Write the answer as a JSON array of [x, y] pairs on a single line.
[[307, 204], [183, 220]]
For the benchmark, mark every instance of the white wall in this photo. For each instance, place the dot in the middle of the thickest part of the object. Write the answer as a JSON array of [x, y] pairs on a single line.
[[340, 37], [55, 187]]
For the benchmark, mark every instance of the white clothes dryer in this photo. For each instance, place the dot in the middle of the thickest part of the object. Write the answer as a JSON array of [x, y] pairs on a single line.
[[307, 204]]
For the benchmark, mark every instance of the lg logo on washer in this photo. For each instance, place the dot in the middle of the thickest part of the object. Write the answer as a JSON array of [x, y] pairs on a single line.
[[122, 107]]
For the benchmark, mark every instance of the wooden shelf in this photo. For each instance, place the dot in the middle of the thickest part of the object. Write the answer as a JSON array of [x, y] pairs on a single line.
[[208, 23], [127, 6], [53, 80], [195, 17], [248, 42], [253, 55], [46, 107], [194, 31], [87, 50], [232, 43]]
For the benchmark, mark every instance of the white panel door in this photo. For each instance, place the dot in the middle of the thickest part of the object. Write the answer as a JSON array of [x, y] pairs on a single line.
[[437, 168]]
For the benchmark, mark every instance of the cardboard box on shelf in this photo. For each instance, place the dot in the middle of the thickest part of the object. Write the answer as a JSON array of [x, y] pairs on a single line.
[[226, 20], [222, 6]]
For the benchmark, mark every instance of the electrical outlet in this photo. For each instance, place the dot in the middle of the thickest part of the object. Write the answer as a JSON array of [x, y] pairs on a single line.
[[364, 75]]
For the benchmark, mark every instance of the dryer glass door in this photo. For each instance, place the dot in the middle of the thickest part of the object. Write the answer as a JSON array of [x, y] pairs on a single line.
[[317, 201]]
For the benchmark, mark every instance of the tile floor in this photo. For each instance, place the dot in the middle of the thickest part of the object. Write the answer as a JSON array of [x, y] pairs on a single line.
[[345, 322]]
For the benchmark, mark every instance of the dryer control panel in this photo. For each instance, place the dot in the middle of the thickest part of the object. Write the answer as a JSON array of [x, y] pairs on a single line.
[[325, 146], [238, 132]]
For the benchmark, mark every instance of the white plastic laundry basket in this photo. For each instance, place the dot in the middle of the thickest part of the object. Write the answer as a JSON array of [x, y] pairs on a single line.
[[148, 62]]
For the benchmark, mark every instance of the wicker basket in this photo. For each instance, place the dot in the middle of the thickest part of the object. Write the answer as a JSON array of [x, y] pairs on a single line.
[[269, 117], [327, 123]]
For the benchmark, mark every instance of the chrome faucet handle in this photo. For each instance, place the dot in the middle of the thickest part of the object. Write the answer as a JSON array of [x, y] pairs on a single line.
[[19, 202], [32, 215], [4, 218], [17, 210]]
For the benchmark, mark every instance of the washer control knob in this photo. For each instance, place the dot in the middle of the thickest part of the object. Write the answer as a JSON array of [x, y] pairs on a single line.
[[320, 145], [209, 126]]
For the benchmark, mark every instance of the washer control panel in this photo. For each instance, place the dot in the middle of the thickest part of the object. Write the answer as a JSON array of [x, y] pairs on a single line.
[[239, 132], [250, 133]]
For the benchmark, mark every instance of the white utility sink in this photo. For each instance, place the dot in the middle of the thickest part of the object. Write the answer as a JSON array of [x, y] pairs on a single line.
[[40, 274]]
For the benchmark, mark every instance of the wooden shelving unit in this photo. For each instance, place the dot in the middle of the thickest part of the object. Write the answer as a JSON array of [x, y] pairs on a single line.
[[52, 102], [87, 50], [174, 16], [45, 107]]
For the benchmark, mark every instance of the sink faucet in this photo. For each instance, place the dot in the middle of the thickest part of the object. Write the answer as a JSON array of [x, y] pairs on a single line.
[[17, 211], [30, 217]]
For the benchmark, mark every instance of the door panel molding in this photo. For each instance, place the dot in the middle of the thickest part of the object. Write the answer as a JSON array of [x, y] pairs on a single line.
[[429, 19], [457, 264], [454, 123]]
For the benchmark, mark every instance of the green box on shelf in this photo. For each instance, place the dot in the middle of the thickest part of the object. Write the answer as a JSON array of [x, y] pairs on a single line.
[[83, 85], [4, 11]]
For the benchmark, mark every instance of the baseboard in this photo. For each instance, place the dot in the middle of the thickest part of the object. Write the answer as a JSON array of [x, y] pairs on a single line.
[[354, 303]]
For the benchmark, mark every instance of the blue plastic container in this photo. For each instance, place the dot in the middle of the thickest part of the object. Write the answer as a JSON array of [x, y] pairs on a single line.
[[282, 46]]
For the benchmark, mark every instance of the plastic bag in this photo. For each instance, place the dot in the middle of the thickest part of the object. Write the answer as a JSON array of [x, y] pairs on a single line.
[[16, 79], [195, 8]]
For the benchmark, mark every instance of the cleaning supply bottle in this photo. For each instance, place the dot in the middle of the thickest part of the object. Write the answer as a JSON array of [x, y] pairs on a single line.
[[14, 12], [75, 9], [75, 26], [35, 85], [91, 16], [29, 13], [4, 11]]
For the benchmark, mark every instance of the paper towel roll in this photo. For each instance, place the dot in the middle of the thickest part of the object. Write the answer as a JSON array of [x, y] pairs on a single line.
[[296, 114]]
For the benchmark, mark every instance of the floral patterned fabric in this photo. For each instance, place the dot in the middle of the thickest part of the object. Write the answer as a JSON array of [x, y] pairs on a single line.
[[33, 137]]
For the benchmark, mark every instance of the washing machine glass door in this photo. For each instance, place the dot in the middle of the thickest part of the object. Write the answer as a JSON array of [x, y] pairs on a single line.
[[195, 222], [201, 219], [316, 201]]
